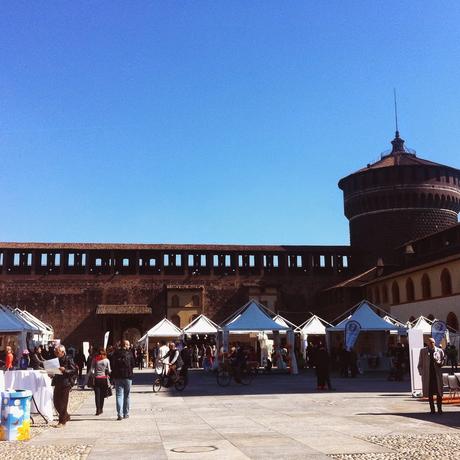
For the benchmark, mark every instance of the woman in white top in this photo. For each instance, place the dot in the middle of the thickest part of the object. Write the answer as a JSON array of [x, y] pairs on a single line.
[[100, 368]]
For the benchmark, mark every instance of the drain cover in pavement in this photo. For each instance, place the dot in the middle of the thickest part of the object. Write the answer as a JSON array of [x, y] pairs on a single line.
[[193, 449]]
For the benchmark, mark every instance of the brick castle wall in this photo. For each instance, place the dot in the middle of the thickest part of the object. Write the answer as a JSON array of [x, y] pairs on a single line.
[[69, 303]]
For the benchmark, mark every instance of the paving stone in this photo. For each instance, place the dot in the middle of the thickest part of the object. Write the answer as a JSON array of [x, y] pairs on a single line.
[[367, 418]]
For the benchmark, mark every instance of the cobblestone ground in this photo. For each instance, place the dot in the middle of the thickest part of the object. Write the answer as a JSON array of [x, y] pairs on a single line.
[[21, 450], [414, 447]]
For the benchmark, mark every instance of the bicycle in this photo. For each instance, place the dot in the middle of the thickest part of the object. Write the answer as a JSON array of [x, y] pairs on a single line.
[[226, 372], [162, 380]]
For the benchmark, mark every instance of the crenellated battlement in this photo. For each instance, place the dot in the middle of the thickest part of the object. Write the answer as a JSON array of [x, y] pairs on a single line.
[[182, 260]]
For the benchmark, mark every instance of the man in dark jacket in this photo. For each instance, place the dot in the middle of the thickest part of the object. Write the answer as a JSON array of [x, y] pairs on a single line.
[[63, 383], [122, 375], [322, 364]]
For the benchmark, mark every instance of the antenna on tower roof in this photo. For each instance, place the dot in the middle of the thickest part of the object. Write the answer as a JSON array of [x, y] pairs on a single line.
[[397, 142], [396, 112]]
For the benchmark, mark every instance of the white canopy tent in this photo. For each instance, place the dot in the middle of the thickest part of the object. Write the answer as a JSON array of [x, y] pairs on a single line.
[[15, 329], [255, 317], [367, 318], [313, 326], [373, 337], [201, 326], [44, 333], [163, 329], [422, 324]]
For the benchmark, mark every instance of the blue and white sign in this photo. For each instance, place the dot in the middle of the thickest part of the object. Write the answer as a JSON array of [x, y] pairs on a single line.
[[438, 331], [352, 330]]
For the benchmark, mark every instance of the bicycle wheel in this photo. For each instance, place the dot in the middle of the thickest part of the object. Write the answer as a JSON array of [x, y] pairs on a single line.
[[180, 384], [223, 377], [246, 376], [157, 384]]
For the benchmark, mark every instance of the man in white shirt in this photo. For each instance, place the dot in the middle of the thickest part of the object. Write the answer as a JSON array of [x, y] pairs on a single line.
[[161, 353]]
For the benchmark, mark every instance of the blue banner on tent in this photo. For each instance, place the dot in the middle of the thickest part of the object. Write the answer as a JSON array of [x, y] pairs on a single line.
[[438, 331], [352, 330]]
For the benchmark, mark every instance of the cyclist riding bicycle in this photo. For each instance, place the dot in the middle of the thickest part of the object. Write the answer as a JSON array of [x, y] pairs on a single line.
[[173, 362], [237, 361]]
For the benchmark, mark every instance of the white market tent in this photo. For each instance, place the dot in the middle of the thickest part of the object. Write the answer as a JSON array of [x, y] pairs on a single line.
[[13, 325], [164, 328], [44, 333], [422, 324], [313, 326], [375, 343], [255, 317], [201, 326], [367, 318]]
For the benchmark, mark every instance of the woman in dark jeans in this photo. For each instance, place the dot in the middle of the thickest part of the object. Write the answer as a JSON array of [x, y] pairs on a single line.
[[100, 368]]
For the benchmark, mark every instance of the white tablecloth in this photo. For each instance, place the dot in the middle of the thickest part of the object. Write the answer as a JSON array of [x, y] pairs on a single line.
[[36, 381]]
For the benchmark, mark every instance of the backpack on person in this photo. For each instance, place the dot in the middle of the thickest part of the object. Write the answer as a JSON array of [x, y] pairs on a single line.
[[122, 361]]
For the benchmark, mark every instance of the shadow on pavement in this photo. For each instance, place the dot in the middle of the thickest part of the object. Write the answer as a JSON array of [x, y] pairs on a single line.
[[205, 384], [450, 419]]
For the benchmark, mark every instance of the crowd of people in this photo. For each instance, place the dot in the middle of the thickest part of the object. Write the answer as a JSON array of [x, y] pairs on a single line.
[[114, 367], [33, 358], [104, 368]]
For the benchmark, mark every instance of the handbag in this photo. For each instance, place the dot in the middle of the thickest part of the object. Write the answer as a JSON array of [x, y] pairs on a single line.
[[90, 382], [108, 391]]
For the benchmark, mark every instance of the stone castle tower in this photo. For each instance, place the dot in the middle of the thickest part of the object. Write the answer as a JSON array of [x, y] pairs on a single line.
[[398, 199]]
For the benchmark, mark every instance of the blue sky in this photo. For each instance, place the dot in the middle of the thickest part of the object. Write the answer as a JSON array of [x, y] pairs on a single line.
[[213, 122]]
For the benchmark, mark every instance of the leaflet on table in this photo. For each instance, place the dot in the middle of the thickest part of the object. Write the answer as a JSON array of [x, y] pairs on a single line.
[[52, 366]]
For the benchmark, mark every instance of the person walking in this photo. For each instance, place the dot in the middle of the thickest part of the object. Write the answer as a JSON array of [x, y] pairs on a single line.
[[122, 375], [322, 366], [452, 357], [207, 360], [430, 363], [80, 362], [353, 362], [89, 360], [101, 369], [140, 357], [62, 383], [195, 358], [186, 355]]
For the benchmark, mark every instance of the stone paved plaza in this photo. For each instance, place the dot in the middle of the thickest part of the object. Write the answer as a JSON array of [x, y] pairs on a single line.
[[277, 416]]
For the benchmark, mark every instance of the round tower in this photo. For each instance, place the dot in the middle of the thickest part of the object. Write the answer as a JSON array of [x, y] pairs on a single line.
[[398, 199]]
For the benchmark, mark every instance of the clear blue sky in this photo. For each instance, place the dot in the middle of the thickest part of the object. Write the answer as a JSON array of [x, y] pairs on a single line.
[[213, 122]]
